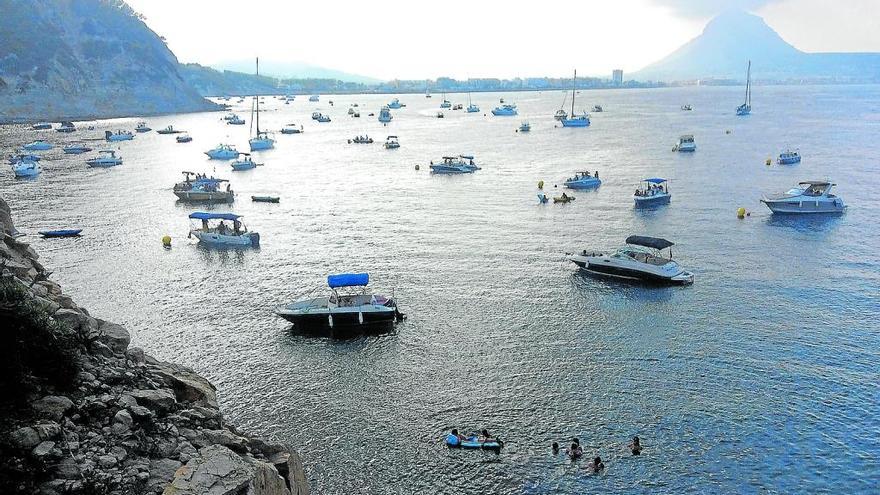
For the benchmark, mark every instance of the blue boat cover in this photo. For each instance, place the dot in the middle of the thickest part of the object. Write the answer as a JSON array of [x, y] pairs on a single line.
[[201, 215], [347, 280], [655, 180]]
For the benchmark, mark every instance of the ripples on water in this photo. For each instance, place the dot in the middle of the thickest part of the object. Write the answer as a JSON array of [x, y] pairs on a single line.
[[761, 377]]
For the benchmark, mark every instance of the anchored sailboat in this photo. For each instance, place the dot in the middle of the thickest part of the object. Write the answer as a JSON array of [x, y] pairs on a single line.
[[746, 107], [262, 140], [572, 120]]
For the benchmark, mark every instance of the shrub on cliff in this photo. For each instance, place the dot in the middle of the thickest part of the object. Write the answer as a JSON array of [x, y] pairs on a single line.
[[35, 350]]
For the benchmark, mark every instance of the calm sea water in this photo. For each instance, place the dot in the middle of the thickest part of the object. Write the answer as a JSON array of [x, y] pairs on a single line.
[[760, 378]]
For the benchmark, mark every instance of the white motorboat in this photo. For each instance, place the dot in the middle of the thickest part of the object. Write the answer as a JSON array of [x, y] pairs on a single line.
[[291, 129], [686, 144], [223, 152], [197, 188], [505, 110], [235, 120], [653, 191], [385, 115], [598, 109], [142, 127], [184, 138], [41, 126], [169, 130], [789, 157], [76, 149], [391, 143], [243, 163], [349, 310], [220, 234], [634, 262], [396, 104], [812, 196], [583, 180], [38, 145], [119, 135], [525, 127], [26, 168], [461, 164], [105, 158], [66, 127]]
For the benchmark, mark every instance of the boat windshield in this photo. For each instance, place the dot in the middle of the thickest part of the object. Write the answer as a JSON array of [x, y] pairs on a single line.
[[642, 256]]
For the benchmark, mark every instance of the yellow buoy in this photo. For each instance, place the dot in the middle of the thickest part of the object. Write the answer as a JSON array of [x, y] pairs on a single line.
[[769, 161], [741, 212], [540, 184], [166, 241]]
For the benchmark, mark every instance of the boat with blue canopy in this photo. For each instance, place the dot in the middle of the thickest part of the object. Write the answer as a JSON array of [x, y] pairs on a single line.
[[653, 191], [213, 230], [349, 310], [583, 180]]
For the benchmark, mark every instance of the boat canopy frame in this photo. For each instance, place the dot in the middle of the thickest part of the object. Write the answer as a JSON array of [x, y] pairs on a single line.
[[657, 243]]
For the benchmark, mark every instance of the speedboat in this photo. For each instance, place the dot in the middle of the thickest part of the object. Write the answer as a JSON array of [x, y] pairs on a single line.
[[385, 115], [40, 126], [598, 109], [118, 136], [746, 107], [38, 145], [291, 129], [687, 107], [235, 120], [457, 106], [462, 164], [223, 152], [685, 144], [505, 110], [653, 191], [812, 196], [361, 140], [560, 114], [314, 98], [26, 168], [245, 163], [446, 103], [105, 158], [196, 188], [320, 117], [349, 310], [395, 104], [261, 141], [525, 127], [316, 115], [168, 130], [66, 127], [583, 180], [220, 234], [789, 157], [76, 149], [142, 127], [634, 262], [184, 138], [391, 143]]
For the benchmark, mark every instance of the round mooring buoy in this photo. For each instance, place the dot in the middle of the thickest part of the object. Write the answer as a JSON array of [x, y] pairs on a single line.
[[741, 213], [166, 241]]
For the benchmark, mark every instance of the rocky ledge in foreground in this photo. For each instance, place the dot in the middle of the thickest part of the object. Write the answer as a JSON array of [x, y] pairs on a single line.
[[82, 412]]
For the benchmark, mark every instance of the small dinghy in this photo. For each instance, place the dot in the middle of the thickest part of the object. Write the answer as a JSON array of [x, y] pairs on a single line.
[[60, 233], [265, 199], [473, 442]]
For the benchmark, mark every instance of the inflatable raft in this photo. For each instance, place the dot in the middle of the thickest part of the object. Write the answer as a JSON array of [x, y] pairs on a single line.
[[473, 442]]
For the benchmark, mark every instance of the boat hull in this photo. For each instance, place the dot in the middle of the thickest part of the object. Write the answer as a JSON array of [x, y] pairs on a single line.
[[345, 324], [805, 207], [60, 233], [788, 161], [205, 196], [261, 144], [598, 265], [222, 155], [503, 113], [575, 122], [103, 163], [583, 184], [250, 239], [647, 201]]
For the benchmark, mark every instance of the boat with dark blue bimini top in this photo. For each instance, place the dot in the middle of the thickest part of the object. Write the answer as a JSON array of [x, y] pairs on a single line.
[[61, 233], [349, 310], [220, 234]]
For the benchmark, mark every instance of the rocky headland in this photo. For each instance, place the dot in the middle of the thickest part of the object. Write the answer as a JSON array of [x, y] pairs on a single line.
[[83, 412]]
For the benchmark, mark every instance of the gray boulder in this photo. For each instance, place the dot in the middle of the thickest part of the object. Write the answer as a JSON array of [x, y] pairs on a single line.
[[52, 406], [24, 438], [114, 336], [157, 400], [220, 471], [187, 384]]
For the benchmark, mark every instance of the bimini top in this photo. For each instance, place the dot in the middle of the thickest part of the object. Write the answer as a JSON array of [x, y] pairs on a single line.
[[815, 183], [655, 180], [651, 242], [201, 215], [348, 280]]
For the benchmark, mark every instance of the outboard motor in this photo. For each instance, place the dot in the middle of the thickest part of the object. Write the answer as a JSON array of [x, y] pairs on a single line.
[[107, 135], [255, 239]]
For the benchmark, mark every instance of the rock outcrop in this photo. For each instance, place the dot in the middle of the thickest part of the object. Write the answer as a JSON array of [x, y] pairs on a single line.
[[78, 59], [127, 423]]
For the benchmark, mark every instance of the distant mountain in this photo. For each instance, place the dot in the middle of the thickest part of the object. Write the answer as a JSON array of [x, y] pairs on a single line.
[[734, 37], [293, 70], [212, 82], [77, 59]]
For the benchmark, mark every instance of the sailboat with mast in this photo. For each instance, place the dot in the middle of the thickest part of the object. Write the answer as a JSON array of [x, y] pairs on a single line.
[[746, 107], [471, 108], [261, 140], [575, 120]]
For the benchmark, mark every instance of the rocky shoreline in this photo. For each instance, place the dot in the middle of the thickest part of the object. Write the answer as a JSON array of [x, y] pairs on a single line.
[[128, 424]]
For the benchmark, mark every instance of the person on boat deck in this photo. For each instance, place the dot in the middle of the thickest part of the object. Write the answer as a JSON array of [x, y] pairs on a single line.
[[597, 465], [236, 227], [204, 225], [575, 451], [564, 196], [636, 446], [228, 187], [454, 438], [221, 228], [597, 174]]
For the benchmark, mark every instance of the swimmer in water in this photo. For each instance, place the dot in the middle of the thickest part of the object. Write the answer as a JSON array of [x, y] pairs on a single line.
[[575, 451], [555, 448], [635, 447], [597, 465]]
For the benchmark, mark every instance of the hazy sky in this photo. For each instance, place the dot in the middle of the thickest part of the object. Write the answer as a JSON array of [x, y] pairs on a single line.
[[409, 39]]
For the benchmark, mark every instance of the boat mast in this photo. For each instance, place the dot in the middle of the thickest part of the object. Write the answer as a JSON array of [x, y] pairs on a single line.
[[573, 86], [748, 101], [258, 99]]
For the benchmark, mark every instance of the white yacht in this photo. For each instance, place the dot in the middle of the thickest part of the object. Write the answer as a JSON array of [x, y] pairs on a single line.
[[811, 196], [291, 129], [223, 152], [391, 143], [118, 136], [105, 158], [26, 168], [385, 115], [222, 235], [634, 262], [685, 144]]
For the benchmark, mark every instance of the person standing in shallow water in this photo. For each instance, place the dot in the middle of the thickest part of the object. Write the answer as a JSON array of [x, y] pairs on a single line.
[[597, 465], [636, 446], [555, 448]]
